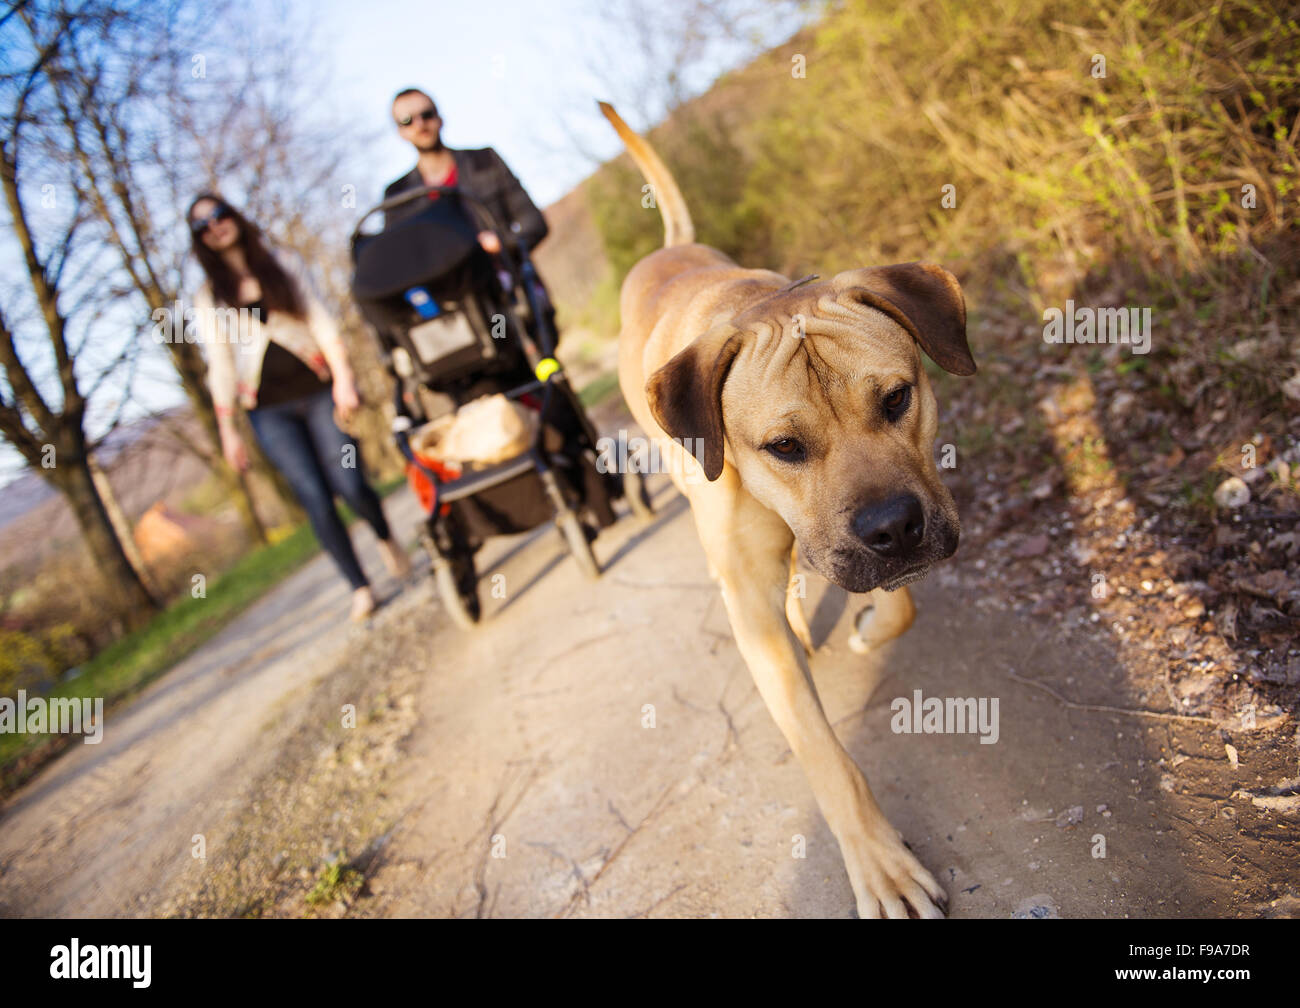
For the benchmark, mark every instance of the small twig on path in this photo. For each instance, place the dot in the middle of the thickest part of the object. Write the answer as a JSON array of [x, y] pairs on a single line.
[[1106, 709]]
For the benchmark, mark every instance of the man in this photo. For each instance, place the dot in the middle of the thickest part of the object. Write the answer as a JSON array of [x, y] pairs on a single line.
[[480, 173], [483, 175]]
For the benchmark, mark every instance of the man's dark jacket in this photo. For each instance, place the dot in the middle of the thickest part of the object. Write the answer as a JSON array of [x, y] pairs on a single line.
[[483, 174]]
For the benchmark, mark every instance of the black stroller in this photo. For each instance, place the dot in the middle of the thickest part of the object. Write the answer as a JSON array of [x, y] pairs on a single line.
[[456, 321]]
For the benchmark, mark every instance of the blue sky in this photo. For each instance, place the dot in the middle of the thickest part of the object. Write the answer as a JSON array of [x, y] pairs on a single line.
[[503, 74], [510, 74]]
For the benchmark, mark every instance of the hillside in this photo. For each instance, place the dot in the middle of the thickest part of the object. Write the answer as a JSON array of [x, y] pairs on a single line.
[[1133, 156]]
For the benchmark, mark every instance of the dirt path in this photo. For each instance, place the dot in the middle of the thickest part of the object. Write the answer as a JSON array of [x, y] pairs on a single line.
[[105, 828], [537, 737], [599, 750]]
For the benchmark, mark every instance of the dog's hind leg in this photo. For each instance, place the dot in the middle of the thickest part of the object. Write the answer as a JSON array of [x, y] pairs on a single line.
[[793, 609], [887, 615]]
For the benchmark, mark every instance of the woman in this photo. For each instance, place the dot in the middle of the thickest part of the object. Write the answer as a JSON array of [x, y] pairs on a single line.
[[285, 363]]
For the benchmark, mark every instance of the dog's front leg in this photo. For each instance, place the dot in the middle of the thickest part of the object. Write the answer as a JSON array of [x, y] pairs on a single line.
[[749, 547]]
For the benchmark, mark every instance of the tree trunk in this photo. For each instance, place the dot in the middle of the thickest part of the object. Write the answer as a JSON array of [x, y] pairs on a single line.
[[129, 597], [121, 526], [237, 487]]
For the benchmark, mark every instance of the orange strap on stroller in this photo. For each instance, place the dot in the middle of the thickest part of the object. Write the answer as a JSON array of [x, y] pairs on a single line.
[[425, 492]]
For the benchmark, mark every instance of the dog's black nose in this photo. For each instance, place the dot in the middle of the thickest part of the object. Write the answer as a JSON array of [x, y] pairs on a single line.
[[893, 527]]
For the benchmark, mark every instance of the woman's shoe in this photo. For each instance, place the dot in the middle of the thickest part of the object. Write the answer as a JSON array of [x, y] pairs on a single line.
[[363, 604], [395, 559]]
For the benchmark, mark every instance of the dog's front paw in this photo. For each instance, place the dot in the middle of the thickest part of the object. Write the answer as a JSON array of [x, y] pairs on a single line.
[[888, 881], [887, 615], [857, 644], [867, 631]]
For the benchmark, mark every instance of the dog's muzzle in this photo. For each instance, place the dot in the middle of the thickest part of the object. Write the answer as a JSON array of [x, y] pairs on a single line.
[[894, 541]]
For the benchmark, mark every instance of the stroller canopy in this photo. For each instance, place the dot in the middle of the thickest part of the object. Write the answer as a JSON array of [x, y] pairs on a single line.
[[415, 252]]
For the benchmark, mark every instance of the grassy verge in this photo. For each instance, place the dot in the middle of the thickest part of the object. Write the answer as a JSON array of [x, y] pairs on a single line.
[[131, 663], [599, 390]]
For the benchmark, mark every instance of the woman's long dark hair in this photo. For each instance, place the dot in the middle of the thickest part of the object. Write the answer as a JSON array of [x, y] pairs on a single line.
[[279, 293]]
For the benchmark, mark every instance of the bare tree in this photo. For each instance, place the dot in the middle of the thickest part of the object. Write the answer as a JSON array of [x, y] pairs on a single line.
[[126, 121], [139, 109], [43, 415]]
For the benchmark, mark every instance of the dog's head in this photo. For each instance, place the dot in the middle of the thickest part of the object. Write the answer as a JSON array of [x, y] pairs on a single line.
[[818, 397]]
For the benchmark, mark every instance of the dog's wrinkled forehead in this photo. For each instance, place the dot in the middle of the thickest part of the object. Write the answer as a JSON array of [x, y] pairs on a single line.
[[810, 336]]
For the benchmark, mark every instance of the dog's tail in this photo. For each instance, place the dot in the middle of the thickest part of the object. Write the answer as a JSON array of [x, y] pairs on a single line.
[[678, 229]]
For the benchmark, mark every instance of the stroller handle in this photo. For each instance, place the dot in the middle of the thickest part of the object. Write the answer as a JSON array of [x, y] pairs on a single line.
[[411, 195]]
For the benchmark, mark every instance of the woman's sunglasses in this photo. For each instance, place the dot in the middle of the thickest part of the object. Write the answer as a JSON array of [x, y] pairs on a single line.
[[200, 224], [426, 115]]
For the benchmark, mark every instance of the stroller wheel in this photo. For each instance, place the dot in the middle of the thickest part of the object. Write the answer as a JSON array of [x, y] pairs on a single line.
[[575, 537], [460, 600], [638, 497]]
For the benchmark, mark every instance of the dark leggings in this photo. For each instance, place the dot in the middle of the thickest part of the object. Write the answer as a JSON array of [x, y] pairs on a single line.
[[303, 442]]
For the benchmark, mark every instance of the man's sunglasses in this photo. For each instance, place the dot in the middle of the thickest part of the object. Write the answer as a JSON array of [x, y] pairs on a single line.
[[426, 115], [200, 224]]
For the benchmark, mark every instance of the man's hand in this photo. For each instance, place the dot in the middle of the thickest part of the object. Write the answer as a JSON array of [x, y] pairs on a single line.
[[346, 400], [490, 242]]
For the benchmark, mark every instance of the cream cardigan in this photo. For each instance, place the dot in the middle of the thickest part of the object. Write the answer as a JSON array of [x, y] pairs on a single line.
[[235, 342]]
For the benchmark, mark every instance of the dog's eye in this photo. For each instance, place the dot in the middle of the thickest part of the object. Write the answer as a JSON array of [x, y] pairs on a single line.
[[788, 449], [897, 401]]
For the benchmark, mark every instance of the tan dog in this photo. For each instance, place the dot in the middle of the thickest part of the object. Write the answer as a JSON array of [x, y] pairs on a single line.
[[808, 410]]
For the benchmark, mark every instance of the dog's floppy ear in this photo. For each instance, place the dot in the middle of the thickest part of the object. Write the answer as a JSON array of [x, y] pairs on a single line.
[[685, 395], [925, 299]]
